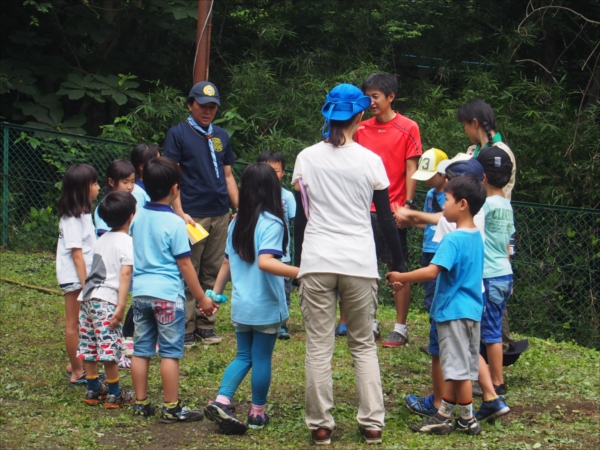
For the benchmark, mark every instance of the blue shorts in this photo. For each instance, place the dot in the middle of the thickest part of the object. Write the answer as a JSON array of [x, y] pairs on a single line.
[[497, 291], [429, 286], [158, 321], [434, 343]]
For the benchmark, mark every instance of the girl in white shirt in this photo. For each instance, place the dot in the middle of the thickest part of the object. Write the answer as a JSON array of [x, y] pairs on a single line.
[[74, 252]]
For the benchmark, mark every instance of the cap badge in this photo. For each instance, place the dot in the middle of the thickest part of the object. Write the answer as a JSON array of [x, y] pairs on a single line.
[[209, 90]]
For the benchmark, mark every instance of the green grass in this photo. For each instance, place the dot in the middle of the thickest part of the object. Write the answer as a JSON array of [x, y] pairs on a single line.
[[554, 389]]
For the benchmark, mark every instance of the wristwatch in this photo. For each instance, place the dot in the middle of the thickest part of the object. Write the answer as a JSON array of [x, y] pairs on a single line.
[[410, 203]]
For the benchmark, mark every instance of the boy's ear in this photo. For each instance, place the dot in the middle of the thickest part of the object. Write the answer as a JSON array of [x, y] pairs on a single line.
[[464, 204], [110, 182]]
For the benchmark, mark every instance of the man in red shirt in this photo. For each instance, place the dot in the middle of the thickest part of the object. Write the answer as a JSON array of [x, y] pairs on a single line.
[[397, 141]]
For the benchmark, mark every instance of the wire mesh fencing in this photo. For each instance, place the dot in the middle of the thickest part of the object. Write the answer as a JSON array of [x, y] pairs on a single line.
[[556, 270]]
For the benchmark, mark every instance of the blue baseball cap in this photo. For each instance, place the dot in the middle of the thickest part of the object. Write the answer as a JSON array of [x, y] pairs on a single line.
[[466, 168], [343, 102], [205, 92]]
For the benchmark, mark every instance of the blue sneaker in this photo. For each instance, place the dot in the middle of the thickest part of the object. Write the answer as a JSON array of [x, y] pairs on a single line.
[[341, 330], [490, 411], [283, 334], [423, 406], [257, 422], [225, 418]]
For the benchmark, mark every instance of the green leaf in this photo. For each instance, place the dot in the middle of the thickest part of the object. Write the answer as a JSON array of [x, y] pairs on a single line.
[[119, 98], [75, 94], [74, 121]]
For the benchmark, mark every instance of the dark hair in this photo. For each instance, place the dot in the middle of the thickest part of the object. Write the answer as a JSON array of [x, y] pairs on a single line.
[[336, 131], [116, 208], [270, 156], [388, 84], [480, 110], [498, 179], [469, 189], [260, 192], [119, 169], [160, 175], [141, 154], [75, 196], [190, 100]]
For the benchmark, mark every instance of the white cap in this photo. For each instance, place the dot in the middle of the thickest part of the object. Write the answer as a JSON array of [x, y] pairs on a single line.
[[441, 168]]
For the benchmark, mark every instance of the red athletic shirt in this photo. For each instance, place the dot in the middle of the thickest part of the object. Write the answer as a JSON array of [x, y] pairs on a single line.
[[394, 141]]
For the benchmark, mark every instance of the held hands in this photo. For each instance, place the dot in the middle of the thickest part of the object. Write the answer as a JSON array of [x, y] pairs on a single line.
[[217, 298], [394, 278], [207, 306], [116, 319]]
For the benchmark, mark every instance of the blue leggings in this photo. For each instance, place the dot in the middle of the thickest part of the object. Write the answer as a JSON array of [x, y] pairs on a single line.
[[254, 350]]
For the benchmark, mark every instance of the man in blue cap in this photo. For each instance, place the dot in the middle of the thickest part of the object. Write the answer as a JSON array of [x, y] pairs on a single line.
[[208, 189]]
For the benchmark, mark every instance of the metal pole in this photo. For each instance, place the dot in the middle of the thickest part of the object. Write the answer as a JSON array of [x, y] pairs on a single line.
[[203, 30], [5, 192]]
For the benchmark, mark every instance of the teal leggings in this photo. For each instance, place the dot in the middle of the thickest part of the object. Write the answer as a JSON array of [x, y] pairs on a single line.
[[254, 351]]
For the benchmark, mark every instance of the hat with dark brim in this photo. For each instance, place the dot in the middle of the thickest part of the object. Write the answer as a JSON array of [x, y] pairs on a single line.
[[205, 92]]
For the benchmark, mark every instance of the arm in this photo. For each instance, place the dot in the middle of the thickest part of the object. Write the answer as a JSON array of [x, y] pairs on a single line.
[[417, 217], [388, 227], [177, 208], [268, 263], [189, 275], [299, 226], [124, 281], [411, 185], [80, 268], [416, 276], [232, 187], [223, 277]]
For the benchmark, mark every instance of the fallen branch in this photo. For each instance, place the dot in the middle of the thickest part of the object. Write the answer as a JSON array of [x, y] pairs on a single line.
[[30, 286]]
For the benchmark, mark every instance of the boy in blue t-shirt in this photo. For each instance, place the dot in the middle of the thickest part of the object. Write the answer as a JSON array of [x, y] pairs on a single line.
[[457, 305], [161, 264], [288, 201]]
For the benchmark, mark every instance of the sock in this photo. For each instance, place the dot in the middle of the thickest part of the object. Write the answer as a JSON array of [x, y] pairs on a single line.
[[113, 387], [170, 405], [399, 328], [146, 401], [466, 410], [93, 383], [223, 400], [491, 399], [257, 410], [375, 325], [446, 408]]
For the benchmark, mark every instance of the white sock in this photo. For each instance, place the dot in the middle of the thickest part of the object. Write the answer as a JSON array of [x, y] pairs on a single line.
[[375, 325], [399, 328]]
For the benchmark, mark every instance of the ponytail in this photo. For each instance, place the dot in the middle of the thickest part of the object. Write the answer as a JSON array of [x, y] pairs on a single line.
[[488, 130], [336, 131]]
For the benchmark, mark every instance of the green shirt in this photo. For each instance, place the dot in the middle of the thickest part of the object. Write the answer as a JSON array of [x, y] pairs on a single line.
[[499, 225], [495, 139]]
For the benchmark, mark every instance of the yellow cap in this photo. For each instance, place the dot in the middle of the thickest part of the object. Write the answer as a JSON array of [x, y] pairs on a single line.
[[428, 164]]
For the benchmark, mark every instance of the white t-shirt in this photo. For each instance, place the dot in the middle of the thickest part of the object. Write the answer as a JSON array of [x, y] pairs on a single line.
[[444, 227], [74, 232], [339, 184], [112, 250]]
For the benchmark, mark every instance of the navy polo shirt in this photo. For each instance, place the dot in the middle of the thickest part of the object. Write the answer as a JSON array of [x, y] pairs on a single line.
[[202, 193]]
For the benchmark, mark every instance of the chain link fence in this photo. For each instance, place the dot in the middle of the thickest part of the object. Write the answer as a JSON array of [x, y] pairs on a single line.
[[556, 270]]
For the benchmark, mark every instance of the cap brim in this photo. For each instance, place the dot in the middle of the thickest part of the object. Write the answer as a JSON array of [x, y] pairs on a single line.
[[205, 100], [423, 176]]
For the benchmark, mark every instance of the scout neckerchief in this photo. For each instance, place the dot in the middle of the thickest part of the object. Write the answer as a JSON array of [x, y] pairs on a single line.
[[208, 135], [495, 138]]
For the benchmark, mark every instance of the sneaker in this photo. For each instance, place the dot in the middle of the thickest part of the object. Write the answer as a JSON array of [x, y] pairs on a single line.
[[477, 391], [179, 414], [124, 362], [95, 397], [376, 330], [128, 347], [258, 422], [371, 436], [283, 334], [434, 425], [321, 436], [340, 330], [116, 402], [395, 339], [207, 337], [423, 406], [224, 417], [490, 411], [143, 410], [188, 340], [500, 390], [470, 427]]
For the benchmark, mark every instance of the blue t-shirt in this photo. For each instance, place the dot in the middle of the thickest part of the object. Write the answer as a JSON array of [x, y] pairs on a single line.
[[139, 192], [289, 213], [159, 239], [258, 297], [100, 224], [458, 290], [202, 193], [428, 245]]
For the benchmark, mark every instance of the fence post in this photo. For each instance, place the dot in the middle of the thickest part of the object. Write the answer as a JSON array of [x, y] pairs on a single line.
[[5, 192]]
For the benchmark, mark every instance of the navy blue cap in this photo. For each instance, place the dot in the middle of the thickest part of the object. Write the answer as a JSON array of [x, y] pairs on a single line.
[[205, 92], [494, 159], [343, 102], [469, 168]]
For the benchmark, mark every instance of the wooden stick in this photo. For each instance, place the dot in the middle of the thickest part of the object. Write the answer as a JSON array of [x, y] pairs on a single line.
[[37, 288]]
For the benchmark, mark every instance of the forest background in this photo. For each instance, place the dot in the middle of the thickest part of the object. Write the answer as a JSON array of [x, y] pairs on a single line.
[[120, 69]]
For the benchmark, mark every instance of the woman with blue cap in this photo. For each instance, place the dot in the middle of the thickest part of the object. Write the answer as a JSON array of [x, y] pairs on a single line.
[[338, 179]]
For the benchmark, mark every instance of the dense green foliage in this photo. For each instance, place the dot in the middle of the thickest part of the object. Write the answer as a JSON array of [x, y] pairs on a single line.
[[94, 65]]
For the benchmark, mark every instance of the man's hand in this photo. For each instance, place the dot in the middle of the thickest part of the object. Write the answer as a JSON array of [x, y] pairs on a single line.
[[116, 318], [207, 306], [188, 219]]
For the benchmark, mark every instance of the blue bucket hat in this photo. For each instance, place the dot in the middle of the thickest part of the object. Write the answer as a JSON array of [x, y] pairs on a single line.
[[343, 102]]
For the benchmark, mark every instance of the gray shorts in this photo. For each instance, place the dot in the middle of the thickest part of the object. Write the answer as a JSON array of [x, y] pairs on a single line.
[[459, 349]]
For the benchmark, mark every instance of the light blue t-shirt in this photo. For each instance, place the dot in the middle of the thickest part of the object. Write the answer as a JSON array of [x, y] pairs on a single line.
[[100, 224], [139, 192], [499, 226], [159, 240], [289, 213], [458, 290], [428, 245], [258, 297]]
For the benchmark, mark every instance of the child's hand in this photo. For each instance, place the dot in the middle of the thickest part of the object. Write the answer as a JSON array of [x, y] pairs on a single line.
[[207, 306], [116, 319], [217, 298]]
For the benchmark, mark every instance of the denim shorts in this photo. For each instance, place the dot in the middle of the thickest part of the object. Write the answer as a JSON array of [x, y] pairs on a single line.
[[434, 342], [497, 291], [158, 321], [70, 287]]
